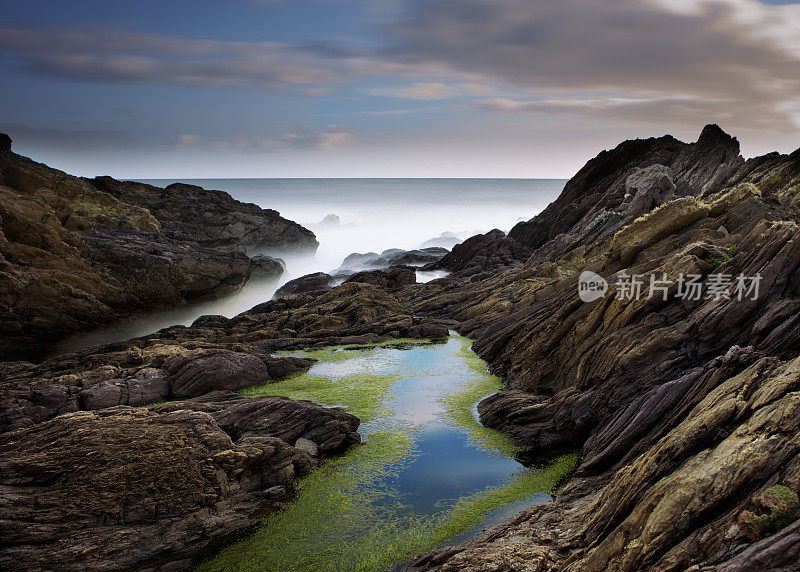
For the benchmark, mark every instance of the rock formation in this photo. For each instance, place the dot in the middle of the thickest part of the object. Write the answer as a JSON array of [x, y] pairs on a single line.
[[77, 253], [686, 410], [222, 220], [316, 282], [124, 486], [358, 262]]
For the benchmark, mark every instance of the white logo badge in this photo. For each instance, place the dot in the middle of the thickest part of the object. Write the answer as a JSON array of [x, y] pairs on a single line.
[[591, 287]]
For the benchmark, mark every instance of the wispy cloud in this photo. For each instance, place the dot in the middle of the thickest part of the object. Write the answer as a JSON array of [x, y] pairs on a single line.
[[666, 61], [332, 136], [103, 55], [732, 58], [431, 90], [76, 139]]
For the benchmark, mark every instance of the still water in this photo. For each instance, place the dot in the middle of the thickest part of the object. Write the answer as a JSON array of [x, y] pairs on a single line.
[[427, 473]]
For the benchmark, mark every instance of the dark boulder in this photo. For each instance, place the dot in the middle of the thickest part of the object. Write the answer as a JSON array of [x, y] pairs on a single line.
[[196, 374], [317, 282], [266, 267], [392, 278]]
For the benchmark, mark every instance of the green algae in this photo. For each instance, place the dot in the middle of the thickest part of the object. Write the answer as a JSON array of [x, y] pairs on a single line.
[[782, 504], [360, 394], [345, 515], [333, 354], [458, 405], [334, 505], [334, 524]]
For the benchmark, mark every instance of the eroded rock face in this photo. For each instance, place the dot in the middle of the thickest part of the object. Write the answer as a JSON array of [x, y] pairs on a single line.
[[79, 253], [199, 373], [391, 279], [192, 213], [686, 410], [123, 487], [483, 252]]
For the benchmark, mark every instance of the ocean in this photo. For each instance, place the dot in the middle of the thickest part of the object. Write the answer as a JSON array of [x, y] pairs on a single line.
[[373, 214]]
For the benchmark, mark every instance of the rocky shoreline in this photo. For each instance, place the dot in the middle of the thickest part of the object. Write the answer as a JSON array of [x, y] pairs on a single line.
[[687, 410], [79, 253]]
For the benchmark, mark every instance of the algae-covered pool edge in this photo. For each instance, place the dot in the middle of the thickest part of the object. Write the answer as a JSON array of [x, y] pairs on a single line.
[[334, 523]]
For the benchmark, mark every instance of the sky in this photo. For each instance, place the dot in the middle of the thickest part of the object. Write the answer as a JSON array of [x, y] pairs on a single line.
[[387, 88]]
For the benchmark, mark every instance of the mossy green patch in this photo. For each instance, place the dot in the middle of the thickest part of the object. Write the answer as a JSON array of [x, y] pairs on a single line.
[[332, 354], [458, 405], [335, 523], [781, 502], [360, 394], [716, 262]]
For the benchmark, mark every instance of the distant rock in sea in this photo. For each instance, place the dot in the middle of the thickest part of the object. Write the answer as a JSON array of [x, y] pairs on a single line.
[[358, 262], [330, 220], [446, 240]]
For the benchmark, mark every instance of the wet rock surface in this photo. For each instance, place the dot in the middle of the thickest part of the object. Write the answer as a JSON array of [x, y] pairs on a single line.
[[358, 262], [391, 278], [316, 282]]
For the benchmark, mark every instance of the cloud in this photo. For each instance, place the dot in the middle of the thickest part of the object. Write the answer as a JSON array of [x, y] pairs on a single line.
[[683, 110], [430, 90], [328, 138], [103, 55], [187, 140], [663, 61], [78, 139], [315, 91], [712, 59]]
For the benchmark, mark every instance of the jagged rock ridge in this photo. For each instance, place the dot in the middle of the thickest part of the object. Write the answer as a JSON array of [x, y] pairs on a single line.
[[686, 410]]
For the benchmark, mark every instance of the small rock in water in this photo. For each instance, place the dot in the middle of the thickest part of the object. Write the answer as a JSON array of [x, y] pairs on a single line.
[[267, 267], [317, 282], [331, 220]]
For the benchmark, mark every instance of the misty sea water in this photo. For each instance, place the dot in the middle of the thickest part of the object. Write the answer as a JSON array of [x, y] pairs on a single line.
[[374, 215]]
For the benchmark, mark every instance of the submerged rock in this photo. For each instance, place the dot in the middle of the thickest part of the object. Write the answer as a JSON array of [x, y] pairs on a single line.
[[330, 220], [447, 240], [357, 262]]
